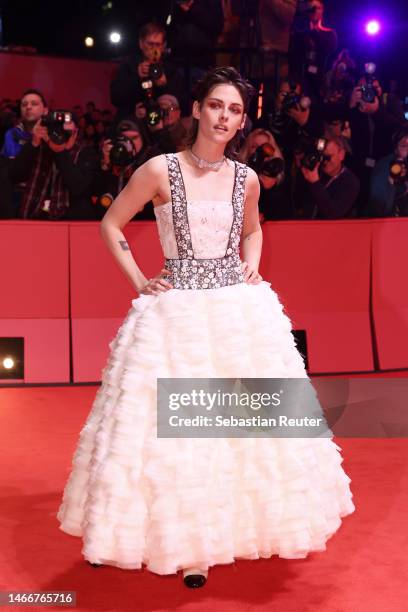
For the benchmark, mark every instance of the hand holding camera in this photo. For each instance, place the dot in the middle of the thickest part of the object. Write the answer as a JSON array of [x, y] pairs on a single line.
[[143, 69], [312, 176], [57, 129], [366, 95], [312, 157], [39, 133], [300, 115]]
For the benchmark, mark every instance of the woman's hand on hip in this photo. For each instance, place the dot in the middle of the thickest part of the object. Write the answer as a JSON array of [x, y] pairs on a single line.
[[251, 275], [157, 284]]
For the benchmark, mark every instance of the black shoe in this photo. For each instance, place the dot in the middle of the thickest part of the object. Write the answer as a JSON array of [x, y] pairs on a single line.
[[194, 581], [95, 564]]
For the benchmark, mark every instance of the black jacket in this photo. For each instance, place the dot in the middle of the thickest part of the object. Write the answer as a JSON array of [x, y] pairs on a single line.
[[333, 199], [77, 177]]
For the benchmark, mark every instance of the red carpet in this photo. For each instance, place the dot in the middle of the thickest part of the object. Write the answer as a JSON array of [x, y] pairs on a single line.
[[364, 569]]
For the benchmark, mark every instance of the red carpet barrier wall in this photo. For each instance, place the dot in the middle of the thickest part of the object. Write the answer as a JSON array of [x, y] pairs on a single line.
[[34, 293], [100, 294], [321, 272], [64, 82], [390, 291]]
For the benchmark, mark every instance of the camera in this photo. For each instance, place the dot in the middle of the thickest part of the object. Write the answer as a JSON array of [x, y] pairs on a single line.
[[294, 100], [122, 151], [313, 153], [154, 113], [156, 69], [54, 122], [368, 91], [263, 162], [399, 171]]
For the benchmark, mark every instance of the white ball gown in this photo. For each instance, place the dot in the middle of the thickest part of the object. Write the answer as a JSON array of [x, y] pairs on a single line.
[[164, 503]]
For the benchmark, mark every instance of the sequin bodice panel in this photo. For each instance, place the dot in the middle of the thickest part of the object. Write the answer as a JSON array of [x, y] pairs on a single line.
[[210, 224], [200, 239]]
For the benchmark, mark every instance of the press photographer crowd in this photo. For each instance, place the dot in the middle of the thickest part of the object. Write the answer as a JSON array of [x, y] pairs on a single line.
[[327, 138]]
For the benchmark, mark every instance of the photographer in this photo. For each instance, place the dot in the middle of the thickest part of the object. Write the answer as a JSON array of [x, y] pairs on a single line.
[[372, 127], [58, 171], [141, 80], [312, 45], [170, 133], [121, 156], [290, 117], [332, 188], [261, 153], [389, 181], [32, 107], [339, 82]]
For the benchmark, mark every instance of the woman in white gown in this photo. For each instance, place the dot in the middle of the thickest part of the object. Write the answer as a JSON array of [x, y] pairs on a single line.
[[188, 504]]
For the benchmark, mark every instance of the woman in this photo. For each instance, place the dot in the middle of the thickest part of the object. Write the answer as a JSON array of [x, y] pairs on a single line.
[[191, 503]]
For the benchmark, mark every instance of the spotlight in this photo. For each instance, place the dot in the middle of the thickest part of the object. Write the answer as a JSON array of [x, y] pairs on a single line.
[[115, 37], [89, 41], [11, 358], [8, 363], [373, 27]]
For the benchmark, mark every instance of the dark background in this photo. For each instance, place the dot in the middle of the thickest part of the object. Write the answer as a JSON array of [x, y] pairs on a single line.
[[59, 28]]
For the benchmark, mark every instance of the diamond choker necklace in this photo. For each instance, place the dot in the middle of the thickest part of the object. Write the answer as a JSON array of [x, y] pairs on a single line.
[[203, 163]]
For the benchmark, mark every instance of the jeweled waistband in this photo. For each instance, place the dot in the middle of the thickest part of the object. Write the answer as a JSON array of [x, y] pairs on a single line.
[[204, 273]]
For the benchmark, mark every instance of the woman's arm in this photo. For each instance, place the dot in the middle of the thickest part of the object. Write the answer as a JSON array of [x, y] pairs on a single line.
[[142, 187], [251, 239]]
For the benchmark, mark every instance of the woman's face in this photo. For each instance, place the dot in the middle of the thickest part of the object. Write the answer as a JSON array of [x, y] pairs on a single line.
[[221, 114], [256, 142]]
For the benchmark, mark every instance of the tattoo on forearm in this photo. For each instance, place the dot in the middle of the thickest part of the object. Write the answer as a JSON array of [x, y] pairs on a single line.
[[124, 245]]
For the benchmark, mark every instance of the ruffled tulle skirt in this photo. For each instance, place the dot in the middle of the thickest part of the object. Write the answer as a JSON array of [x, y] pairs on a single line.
[[168, 503]]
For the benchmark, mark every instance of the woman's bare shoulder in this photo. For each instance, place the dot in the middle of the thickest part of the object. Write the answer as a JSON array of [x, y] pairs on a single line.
[[252, 179], [154, 166]]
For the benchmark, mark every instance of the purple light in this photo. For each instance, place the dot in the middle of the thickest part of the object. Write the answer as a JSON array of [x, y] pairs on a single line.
[[373, 27]]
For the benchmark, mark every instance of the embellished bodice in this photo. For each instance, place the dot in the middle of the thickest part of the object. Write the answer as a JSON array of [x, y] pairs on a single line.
[[209, 222], [200, 238]]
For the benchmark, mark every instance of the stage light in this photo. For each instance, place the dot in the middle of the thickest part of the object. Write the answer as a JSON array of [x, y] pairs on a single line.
[[89, 41], [373, 27], [12, 358], [8, 363], [115, 37]]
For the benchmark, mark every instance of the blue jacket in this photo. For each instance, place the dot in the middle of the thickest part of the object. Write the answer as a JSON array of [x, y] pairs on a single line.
[[14, 140]]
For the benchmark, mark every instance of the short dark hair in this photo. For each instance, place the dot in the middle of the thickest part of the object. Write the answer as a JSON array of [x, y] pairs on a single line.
[[224, 75], [151, 28], [36, 92]]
